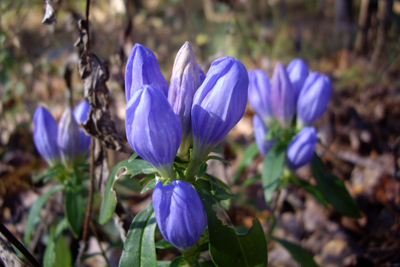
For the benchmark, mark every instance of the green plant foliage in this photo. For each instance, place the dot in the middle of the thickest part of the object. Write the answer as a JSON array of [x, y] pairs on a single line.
[[334, 190], [272, 169], [298, 253], [139, 248]]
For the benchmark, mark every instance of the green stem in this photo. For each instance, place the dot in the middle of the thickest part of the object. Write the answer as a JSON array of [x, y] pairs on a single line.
[[188, 254], [193, 169]]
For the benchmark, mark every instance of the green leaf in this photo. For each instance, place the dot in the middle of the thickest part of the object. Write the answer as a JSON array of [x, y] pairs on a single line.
[[272, 169], [195, 262], [215, 187], [139, 247], [146, 179], [163, 244], [310, 189], [151, 184], [50, 173], [131, 168], [74, 210], [57, 251], [133, 157], [248, 156], [333, 190], [227, 248], [219, 158], [298, 253], [175, 262], [34, 212], [202, 170]]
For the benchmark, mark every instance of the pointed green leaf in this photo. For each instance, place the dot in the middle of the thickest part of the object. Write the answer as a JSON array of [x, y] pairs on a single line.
[[298, 253], [50, 173], [139, 248], [334, 190], [54, 249], [34, 212], [272, 169], [202, 170], [227, 248], [219, 159], [248, 156], [131, 168], [310, 189], [163, 244], [150, 185], [74, 210], [175, 262]]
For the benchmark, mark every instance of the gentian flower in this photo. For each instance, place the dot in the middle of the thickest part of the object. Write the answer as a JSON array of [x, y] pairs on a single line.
[[142, 68], [282, 96], [153, 129], [68, 138], [218, 104], [260, 132], [298, 72], [81, 116], [185, 80], [260, 94], [301, 149], [179, 213], [313, 99], [45, 135]]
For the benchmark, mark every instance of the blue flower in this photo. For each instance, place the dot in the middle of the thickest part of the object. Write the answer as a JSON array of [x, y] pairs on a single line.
[[185, 80], [142, 68], [153, 129], [313, 99], [298, 72], [68, 138], [81, 116], [301, 149], [260, 94], [45, 135], [179, 213], [282, 96], [218, 104], [260, 132]]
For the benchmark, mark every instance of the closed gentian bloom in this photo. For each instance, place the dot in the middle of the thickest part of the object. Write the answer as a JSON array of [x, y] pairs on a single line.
[[314, 98], [68, 138], [81, 116], [260, 94], [142, 68], [301, 149], [179, 213], [202, 75], [218, 104], [45, 135], [298, 72], [260, 132], [282, 96], [153, 129], [185, 80]]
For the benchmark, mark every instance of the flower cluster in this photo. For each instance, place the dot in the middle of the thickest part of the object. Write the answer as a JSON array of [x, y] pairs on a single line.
[[290, 104], [65, 142], [188, 119]]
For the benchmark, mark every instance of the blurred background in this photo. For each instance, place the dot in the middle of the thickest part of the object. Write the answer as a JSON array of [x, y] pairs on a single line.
[[355, 42]]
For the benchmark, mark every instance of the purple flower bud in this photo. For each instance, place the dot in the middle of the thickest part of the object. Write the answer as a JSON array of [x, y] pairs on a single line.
[[153, 129], [218, 104], [81, 116], [260, 132], [282, 96], [260, 94], [179, 213], [45, 135], [202, 75], [68, 138], [301, 149], [314, 98], [184, 82], [142, 68], [298, 72]]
